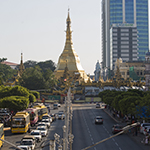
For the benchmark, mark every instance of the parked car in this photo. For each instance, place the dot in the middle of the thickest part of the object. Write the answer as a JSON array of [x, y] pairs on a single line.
[[142, 126], [28, 142], [43, 130], [98, 120], [146, 130], [97, 105], [61, 115], [116, 128], [24, 147], [47, 122], [37, 135], [59, 105]]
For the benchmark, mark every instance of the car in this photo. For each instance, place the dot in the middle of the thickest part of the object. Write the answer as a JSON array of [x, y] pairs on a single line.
[[28, 142], [98, 120], [24, 147], [55, 106], [142, 126], [97, 105], [43, 130], [42, 124], [59, 105], [37, 135], [61, 115], [146, 130], [47, 117], [53, 117], [117, 128], [29, 137], [47, 122]]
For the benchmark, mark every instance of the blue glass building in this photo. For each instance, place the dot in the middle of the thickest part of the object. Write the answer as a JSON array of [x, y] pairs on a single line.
[[125, 11]]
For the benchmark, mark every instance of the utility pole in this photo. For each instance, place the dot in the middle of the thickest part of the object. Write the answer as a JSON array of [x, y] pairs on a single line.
[[67, 128]]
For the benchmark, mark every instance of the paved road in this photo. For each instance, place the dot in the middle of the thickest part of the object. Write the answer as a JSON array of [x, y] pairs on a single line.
[[87, 133], [56, 127]]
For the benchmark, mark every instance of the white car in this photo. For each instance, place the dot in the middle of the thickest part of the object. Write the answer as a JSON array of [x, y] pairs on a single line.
[[28, 142], [47, 117], [61, 115], [59, 105], [146, 130], [42, 124], [43, 130], [46, 121], [24, 147], [142, 127], [37, 135]]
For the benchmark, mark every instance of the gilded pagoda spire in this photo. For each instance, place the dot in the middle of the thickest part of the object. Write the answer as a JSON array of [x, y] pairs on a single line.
[[21, 67], [70, 56]]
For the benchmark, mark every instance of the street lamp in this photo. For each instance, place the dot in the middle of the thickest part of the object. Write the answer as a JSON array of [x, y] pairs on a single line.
[[67, 132]]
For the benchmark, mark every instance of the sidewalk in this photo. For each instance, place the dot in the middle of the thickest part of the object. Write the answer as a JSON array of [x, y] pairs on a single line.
[[139, 138]]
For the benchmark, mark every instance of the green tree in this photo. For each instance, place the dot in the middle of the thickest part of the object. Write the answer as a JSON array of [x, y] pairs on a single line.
[[14, 103], [29, 63], [32, 98], [36, 94], [128, 104], [13, 91], [6, 72], [35, 79], [47, 65], [50, 80], [32, 78]]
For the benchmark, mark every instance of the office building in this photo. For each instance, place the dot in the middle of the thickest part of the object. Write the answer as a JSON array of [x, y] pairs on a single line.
[[125, 11], [123, 43]]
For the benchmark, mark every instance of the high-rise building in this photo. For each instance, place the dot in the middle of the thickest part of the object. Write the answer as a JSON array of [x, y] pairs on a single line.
[[125, 11], [123, 43]]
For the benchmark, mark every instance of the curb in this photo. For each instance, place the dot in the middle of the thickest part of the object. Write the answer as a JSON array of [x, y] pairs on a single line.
[[111, 116]]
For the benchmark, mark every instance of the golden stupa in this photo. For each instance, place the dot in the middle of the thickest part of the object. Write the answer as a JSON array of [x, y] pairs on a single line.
[[69, 57]]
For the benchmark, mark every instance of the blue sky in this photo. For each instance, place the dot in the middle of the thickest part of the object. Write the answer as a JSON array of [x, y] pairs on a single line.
[[37, 29]]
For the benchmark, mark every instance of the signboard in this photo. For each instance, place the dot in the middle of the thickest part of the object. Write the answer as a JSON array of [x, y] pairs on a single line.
[[54, 97]]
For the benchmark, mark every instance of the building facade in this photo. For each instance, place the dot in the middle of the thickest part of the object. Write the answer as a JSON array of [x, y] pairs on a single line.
[[131, 69], [147, 71], [125, 11], [123, 43]]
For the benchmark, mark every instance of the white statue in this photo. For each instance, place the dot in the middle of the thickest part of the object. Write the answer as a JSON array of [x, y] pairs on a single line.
[[97, 71]]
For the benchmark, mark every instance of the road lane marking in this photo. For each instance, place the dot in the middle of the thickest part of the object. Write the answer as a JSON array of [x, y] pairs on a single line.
[[88, 130]]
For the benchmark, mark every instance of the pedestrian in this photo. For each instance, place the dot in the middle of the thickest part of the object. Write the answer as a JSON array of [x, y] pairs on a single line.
[[29, 130], [146, 139], [136, 132]]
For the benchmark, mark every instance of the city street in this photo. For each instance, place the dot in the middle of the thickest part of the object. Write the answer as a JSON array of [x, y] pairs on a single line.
[[85, 131]]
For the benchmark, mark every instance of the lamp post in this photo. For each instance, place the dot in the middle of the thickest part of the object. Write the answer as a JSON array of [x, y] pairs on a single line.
[[67, 128]]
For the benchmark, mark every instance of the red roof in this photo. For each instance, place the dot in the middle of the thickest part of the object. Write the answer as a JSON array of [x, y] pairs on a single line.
[[9, 63]]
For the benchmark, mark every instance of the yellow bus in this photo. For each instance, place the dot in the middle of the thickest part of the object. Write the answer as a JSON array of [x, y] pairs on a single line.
[[1, 134], [20, 122], [42, 110]]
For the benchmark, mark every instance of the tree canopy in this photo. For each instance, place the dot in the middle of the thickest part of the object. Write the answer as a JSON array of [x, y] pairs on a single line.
[[16, 98], [128, 102], [6, 72], [35, 78]]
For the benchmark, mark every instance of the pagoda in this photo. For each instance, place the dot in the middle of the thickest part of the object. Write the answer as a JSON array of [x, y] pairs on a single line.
[[70, 57]]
